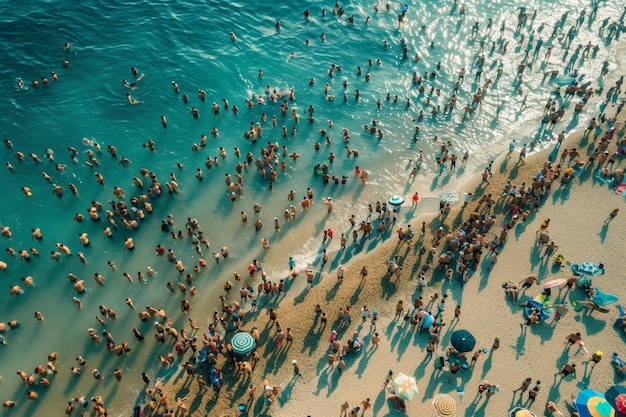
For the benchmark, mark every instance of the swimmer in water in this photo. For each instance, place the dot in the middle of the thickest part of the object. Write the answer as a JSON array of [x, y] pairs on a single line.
[[132, 85], [291, 55], [132, 100]]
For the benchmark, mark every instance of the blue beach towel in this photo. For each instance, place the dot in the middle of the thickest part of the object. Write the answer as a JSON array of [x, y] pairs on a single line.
[[588, 268]]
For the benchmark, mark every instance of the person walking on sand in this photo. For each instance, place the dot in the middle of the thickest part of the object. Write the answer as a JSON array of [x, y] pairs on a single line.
[[475, 357], [366, 405], [485, 177], [341, 364], [373, 320], [363, 274], [296, 369], [340, 272], [612, 215], [375, 340], [522, 155], [496, 344], [399, 309], [595, 358], [534, 389], [344, 409]]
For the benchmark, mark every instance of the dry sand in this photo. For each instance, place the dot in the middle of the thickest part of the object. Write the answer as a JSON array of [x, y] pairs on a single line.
[[577, 226]]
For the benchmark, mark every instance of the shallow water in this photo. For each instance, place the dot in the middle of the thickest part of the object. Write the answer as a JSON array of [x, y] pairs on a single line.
[[189, 43]]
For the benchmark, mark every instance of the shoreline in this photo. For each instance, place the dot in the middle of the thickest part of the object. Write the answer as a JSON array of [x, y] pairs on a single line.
[[400, 347]]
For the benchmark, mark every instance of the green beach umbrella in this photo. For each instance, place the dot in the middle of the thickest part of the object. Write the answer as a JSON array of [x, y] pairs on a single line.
[[616, 396], [242, 343], [463, 341]]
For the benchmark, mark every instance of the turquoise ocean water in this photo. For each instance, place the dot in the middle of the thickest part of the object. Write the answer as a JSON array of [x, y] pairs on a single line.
[[189, 43]]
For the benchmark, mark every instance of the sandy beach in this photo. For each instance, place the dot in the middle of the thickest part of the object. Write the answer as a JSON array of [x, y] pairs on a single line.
[[160, 206], [578, 225]]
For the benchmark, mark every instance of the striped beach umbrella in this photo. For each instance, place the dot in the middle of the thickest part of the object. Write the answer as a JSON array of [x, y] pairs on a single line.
[[242, 343], [444, 405], [521, 412]]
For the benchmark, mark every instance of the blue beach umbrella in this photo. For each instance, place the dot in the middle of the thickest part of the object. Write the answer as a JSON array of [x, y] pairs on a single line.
[[242, 343], [428, 321], [591, 403]]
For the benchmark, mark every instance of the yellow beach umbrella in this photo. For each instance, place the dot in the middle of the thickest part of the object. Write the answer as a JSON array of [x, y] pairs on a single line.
[[444, 405]]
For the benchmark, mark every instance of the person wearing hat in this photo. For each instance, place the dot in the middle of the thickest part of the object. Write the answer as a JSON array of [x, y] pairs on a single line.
[[374, 320], [296, 368], [595, 358]]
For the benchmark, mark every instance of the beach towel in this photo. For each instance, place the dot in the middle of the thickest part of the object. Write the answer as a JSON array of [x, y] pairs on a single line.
[[588, 268], [599, 177]]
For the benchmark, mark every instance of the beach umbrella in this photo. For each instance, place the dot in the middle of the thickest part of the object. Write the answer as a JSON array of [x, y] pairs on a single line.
[[242, 343], [444, 405], [428, 321], [602, 298], [554, 283], [616, 396], [405, 386], [521, 412], [448, 196], [463, 341], [591, 403], [396, 200]]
